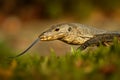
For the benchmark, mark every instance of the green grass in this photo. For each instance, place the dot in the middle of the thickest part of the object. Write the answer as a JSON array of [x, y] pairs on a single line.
[[100, 64]]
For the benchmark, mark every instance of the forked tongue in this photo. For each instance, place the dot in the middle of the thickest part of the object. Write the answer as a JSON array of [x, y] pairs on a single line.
[[36, 41]]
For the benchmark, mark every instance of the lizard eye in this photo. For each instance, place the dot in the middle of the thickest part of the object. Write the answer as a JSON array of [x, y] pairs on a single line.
[[57, 29]]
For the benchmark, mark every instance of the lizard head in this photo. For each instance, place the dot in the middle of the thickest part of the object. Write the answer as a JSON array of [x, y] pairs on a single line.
[[56, 32]]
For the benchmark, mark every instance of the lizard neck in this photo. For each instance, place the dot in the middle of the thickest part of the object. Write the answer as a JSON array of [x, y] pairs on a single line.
[[75, 37], [75, 41], [80, 33]]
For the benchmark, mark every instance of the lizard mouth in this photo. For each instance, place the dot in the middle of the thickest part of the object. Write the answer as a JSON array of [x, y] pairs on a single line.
[[45, 38], [49, 38]]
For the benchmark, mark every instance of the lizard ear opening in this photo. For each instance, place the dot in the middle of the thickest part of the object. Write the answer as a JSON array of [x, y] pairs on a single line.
[[57, 29], [69, 29]]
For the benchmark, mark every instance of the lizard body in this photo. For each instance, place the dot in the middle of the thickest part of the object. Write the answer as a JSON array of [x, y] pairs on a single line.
[[77, 34]]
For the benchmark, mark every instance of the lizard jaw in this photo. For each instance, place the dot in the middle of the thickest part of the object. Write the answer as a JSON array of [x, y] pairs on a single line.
[[48, 38], [45, 38], [51, 37]]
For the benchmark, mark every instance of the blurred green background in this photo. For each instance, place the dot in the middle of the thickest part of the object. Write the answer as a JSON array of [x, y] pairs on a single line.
[[21, 21]]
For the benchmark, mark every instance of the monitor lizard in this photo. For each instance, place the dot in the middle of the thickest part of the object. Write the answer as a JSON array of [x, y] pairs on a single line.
[[77, 34]]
